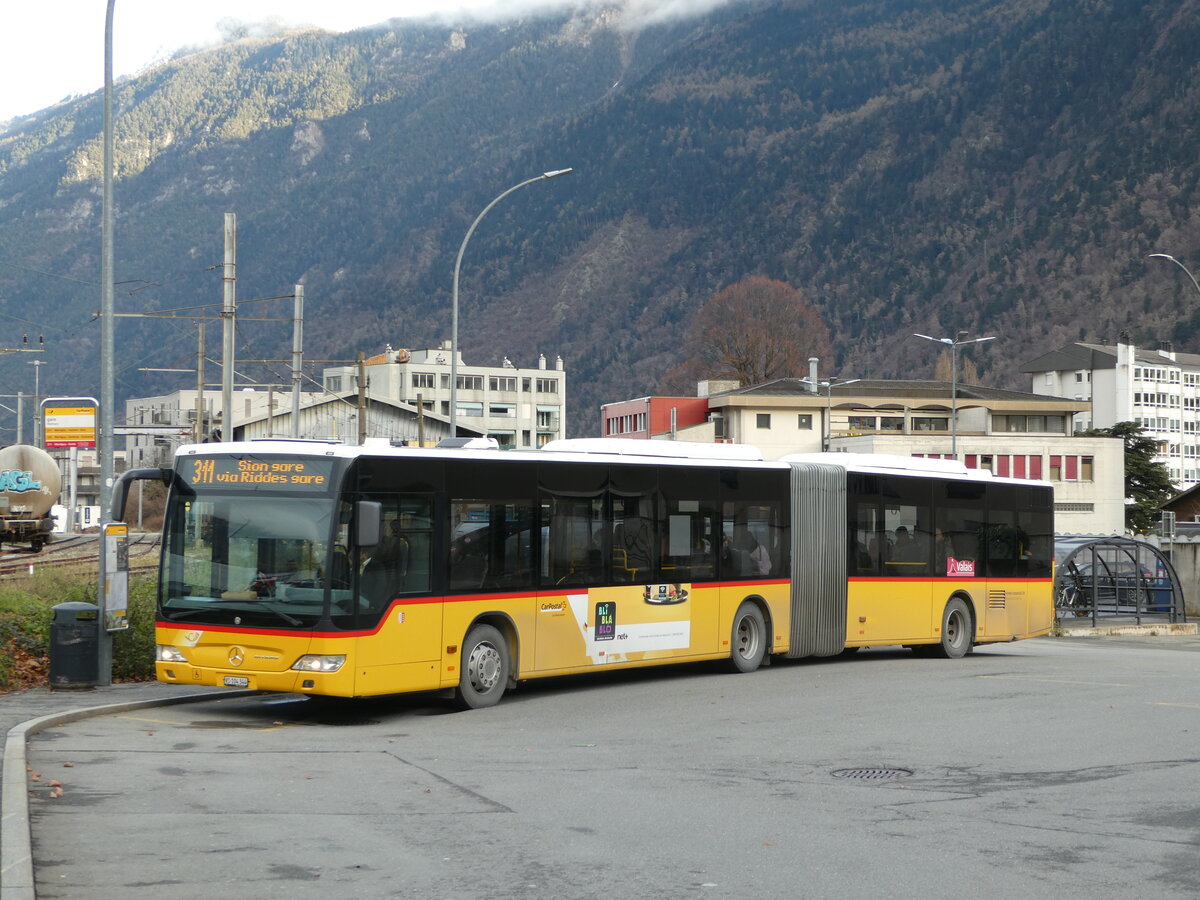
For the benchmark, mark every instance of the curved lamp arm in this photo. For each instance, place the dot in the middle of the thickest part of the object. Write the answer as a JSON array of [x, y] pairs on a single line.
[[454, 298], [1178, 263]]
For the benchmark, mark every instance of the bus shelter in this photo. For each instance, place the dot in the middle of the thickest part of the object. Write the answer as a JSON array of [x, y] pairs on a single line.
[[1110, 577]]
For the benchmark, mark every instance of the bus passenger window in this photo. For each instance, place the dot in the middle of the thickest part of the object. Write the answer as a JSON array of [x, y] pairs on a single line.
[[633, 546], [750, 546], [691, 541], [491, 546], [576, 541], [907, 526], [864, 541]]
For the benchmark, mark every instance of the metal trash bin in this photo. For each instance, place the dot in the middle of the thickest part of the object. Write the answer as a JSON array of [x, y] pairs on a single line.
[[74, 647]]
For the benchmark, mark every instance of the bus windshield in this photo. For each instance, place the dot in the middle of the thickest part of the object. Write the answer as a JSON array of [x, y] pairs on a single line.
[[260, 560]]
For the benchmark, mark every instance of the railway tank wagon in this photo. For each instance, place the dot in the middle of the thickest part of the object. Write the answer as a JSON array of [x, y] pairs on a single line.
[[30, 483]]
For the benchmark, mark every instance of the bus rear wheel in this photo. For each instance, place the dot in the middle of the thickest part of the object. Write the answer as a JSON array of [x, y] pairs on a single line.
[[748, 638], [958, 630], [485, 668]]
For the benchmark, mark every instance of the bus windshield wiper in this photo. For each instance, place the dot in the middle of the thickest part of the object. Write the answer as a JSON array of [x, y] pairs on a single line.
[[291, 620], [186, 613]]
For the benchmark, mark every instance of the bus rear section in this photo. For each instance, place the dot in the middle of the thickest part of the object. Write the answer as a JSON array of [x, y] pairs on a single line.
[[917, 553]]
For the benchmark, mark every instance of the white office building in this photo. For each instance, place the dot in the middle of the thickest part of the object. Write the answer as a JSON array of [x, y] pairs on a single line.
[[1158, 388]]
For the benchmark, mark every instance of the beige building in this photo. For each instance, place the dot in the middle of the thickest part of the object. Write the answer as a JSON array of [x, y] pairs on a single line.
[[1011, 433]]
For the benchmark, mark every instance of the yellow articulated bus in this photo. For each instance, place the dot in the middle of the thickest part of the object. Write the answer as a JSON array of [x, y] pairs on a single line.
[[349, 571]]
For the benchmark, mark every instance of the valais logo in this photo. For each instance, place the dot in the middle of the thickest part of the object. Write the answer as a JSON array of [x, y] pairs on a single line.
[[963, 568]]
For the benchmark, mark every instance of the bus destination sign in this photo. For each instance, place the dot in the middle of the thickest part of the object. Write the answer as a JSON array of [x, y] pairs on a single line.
[[258, 472]]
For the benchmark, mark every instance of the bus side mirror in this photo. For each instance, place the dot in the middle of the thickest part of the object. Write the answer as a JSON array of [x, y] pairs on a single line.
[[121, 488], [368, 522]]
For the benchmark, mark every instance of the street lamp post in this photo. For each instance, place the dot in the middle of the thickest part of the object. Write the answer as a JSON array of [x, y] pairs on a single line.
[[454, 300], [959, 340], [1169, 257], [827, 431]]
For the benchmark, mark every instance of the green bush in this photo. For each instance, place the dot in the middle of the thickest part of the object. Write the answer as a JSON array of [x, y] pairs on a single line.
[[133, 650], [26, 611], [24, 638]]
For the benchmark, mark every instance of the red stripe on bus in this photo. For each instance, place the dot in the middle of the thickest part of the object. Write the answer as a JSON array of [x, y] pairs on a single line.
[[943, 579], [419, 601]]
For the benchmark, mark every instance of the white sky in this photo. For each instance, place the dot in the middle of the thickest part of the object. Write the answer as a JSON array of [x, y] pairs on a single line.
[[50, 49]]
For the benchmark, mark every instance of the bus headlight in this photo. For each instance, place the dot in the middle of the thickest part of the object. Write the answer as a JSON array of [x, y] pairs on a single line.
[[315, 663], [167, 653]]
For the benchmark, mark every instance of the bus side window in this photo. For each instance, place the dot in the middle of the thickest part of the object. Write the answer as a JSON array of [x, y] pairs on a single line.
[[751, 547], [490, 547], [400, 564], [633, 546], [576, 540], [691, 542]]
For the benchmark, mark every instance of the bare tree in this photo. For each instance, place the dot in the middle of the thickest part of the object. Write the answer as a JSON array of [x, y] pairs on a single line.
[[755, 330], [968, 373]]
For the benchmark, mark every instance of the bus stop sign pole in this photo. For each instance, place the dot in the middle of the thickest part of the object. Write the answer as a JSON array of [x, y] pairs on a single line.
[[114, 593]]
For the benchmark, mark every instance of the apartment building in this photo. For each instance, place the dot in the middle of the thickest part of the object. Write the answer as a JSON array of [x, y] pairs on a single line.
[[1160, 389], [521, 407]]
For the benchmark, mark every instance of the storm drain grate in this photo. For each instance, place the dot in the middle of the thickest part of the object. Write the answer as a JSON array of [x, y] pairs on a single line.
[[877, 774]]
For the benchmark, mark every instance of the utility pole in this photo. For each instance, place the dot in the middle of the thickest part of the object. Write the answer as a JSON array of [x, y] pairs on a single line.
[[198, 432], [297, 355], [362, 399], [420, 420], [228, 313], [25, 348], [104, 655], [38, 433]]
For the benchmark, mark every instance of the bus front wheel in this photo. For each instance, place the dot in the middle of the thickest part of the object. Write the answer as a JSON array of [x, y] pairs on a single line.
[[958, 630], [485, 668], [748, 638]]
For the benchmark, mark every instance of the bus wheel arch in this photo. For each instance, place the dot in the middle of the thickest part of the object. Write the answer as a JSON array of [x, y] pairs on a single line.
[[958, 627], [749, 636], [487, 663]]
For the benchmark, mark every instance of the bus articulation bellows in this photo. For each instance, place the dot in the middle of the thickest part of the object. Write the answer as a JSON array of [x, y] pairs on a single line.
[[351, 571]]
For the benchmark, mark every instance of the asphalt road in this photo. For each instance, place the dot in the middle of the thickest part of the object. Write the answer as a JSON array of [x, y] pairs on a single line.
[[1044, 768]]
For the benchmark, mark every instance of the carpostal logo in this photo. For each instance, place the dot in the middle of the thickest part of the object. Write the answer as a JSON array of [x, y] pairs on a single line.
[[553, 606], [18, 481]]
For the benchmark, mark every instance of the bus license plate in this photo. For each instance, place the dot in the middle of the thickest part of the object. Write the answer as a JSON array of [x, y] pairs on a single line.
[[237, 681]]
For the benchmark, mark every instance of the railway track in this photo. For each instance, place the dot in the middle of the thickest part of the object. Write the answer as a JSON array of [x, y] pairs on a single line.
[[78, 552]]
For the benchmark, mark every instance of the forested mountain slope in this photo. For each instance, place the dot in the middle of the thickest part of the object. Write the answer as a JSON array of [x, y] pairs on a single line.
[[1002, 166]]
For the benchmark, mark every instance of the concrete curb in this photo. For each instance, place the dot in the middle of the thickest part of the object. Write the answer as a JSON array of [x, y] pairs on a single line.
[[16, 846], [1163, 629]]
